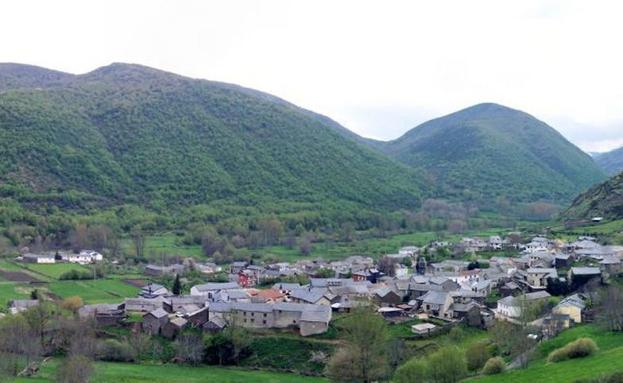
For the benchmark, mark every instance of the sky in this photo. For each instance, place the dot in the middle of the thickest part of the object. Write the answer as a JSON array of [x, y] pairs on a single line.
[[377, 67]]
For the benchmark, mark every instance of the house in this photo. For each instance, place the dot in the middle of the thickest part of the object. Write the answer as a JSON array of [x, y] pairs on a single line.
[[153, 290], [509, 308], [573, 306], [214, 325], [143, 305], [154, 320], [409, 251], [20, 305], [495, 242], [580, 275], [483, 287], [610, 265], [173, 327], [197, 318], [390, 312], [509, 289], [286, 288], [207, 268], [387, 297], [310, 319], [184, 304], [562, 261], [155, 270], [237, 267], [211, 288], [436, 303], [103, 314], [83, 257], [270, 296], [536, 278], [423, 328], [311, 295], [38, 258]]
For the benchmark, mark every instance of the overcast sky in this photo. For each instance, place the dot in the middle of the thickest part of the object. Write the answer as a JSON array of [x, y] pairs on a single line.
[[378, 67]]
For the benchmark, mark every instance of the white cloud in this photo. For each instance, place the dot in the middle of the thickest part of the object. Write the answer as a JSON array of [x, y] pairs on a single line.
[[378, 67]]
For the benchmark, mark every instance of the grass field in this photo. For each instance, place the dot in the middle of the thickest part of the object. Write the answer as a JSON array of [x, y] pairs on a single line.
[[166, 243], [163, 243], [606, 360], [11, 290], [54, 270], [94, 291], [135, 373]]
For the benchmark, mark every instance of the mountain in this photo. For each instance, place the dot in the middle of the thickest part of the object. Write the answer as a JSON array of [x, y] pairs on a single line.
[[491, 151], [131, 134], [604, 200], [611, 162]]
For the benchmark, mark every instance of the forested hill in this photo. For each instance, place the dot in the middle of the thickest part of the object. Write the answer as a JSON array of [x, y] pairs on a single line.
[[604, 200], [131, 134], [490, 151], [611, 162]]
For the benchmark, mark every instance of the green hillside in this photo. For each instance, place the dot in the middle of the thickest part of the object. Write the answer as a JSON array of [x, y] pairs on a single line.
[[611, 162], [490, 151], [604, 200], [131, 134]]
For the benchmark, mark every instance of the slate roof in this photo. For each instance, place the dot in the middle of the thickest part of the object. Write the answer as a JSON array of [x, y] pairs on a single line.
[[158, 313], [312, 295], [585, 271], [435, 297], [216, 286]]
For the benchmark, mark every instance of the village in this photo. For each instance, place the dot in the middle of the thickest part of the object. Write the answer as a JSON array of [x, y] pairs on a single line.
[[410, 284]]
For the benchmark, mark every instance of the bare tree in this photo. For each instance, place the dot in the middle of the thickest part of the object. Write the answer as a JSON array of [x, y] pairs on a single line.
[[363, 358], [138, 239], [75, 369], [189, 348], [610, 313], [387, 265]]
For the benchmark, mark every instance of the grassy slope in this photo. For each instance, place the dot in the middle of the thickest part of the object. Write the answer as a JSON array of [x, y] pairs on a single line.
[[133, 373], [608, 359]]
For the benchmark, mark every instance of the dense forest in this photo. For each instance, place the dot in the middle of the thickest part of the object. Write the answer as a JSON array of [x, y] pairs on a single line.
[[489, 151], [126, 150]]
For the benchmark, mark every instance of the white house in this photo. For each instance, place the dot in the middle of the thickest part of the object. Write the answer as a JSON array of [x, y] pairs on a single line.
[[509, 308], [84, 257], [39, 258]]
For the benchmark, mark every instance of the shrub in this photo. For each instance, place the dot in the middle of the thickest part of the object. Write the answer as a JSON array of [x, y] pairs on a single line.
[[76, 275], [494, 366], [413, 370], [477, 355], [616, 377], [576, 349], [114, 351]]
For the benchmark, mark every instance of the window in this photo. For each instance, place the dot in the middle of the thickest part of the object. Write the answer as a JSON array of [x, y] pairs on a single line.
[[294, 321], [245, 313], [245, 320], [265, 315], [252, 320], [252, 314], [263, 322]]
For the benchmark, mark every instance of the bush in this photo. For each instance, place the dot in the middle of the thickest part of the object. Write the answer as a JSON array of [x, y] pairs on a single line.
[[114, 351], [75, 275], [494, 366], [477, 355], [576, 349], [413, 370]]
